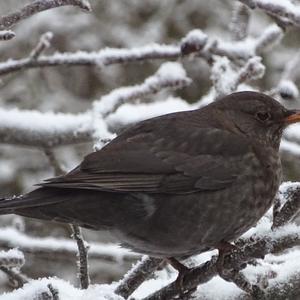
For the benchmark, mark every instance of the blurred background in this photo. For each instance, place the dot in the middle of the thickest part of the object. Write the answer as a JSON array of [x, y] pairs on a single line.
[[123, 23]]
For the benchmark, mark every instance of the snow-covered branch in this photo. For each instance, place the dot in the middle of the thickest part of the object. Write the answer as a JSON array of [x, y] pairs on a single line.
[[137, 275], [37, 6], [169, 76], [60, 248], [283, 9]]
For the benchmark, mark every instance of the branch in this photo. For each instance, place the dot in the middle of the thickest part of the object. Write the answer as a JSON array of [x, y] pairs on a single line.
[[43, 44], [60, 248], [169, 76], [239, 22], [287, 205], [284, 9], [137, 275], [37, 6], [254, 247], [83, 268], [16, 278], [47, 130], [12, 258], [226, 78]]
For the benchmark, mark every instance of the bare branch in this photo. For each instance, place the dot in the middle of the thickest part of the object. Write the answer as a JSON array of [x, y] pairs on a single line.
[[137, 275], [37, 6]]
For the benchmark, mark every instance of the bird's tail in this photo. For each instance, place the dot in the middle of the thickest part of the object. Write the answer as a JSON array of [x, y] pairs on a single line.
[[35, 198]]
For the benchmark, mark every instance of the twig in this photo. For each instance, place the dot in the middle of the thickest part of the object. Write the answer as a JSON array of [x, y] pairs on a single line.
[[240, 22], [290, 12], [137, 275], [83, 267], [61, 248], [37, 6], [169, 76], [290, 207], [58, 170], [43, 44], [251, 248], [15, 276], [54, 292], [82, 254]]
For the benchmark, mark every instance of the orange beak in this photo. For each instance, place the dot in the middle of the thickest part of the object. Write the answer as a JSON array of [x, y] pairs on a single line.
[[293, 117]]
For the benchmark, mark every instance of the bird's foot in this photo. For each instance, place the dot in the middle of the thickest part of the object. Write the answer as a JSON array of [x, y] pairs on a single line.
[[179, 282], [224, 249]]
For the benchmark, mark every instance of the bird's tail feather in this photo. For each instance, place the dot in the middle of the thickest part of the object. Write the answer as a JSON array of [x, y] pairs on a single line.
[[38, 197]]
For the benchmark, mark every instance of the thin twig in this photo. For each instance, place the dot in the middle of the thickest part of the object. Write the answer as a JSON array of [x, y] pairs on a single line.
[[137, 275], [15, 276], [37, 6], [83, 267], [43, 44]]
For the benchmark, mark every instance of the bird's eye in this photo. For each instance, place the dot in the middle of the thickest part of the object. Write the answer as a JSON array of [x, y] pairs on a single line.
[[263, 116]]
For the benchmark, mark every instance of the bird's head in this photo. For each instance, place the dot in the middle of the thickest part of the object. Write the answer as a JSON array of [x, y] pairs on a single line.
[[257, 116]]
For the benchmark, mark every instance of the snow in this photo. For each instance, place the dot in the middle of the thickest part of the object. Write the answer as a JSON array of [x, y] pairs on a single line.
[[12, 258], [14, 238], [169, 74], [34, 289], [131, 113], [196, 38], [288, 90]]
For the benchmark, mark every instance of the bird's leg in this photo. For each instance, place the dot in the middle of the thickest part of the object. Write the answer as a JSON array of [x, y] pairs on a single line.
[[182, 271], [224, 249]]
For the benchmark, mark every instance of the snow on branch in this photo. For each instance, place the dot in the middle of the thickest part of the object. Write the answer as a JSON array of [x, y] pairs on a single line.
[[61, 248], [226, 78], [170, 75], [33, 128], [37, 6], [195, 42], [239, 22], [12, 258], [283, 9], [137, 275]]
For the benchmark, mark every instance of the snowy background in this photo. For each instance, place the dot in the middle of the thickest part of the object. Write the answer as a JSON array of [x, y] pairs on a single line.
[[72, 79]]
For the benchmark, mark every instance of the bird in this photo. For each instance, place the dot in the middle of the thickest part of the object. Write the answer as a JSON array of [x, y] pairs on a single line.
[[175, 185]]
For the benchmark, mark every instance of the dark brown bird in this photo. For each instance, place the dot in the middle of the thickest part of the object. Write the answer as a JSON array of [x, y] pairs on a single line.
[[175, 185]]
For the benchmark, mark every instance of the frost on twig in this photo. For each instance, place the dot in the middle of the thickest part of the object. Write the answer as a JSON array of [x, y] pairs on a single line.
[[83, 267], [169, 76], [43, 44], [6, 35], [60, 248], [10, 263], [226, 78], [193, 42], [287, 204], [37, 6], [239, 22], [271, 36], [285, 10], [137, 275], [12, 258]]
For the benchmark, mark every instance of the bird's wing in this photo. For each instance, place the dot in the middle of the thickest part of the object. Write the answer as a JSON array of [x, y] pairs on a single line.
[[175, 159]]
